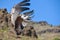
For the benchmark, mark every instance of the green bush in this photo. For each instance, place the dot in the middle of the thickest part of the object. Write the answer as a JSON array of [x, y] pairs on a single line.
[[56, 39]]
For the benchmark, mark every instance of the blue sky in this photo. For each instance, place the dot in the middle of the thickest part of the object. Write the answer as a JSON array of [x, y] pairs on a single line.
[[44, 10]]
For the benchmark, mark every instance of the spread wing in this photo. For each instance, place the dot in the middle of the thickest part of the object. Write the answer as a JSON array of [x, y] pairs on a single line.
[[20, 6]]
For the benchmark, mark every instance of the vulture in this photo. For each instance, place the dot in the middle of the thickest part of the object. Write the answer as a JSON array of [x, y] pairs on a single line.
[[17, 17]]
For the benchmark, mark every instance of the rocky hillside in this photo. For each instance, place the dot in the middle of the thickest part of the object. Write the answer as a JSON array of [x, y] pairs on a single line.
[[6, 28], [44, 30]]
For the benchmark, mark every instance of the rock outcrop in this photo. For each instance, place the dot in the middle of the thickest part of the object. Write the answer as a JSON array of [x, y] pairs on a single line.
[[5, 20]]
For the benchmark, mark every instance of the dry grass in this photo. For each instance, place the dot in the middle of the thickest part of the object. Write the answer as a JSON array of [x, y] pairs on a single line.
[[5, 34]]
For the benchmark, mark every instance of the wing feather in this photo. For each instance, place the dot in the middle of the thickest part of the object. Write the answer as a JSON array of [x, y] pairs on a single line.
[[25, 4], [25, 1], [19, 7], [29, 13]]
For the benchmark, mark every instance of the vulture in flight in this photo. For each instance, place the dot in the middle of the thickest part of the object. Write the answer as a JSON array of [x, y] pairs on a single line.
[[16, 14], [18, 9]]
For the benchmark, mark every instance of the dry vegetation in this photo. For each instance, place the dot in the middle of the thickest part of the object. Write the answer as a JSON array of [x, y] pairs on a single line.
[[7, 31]]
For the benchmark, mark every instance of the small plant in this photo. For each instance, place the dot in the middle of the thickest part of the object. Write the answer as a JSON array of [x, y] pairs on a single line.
[[56, 39]]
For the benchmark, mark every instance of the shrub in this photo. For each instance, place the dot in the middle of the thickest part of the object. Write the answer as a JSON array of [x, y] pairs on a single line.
[[56, 39]]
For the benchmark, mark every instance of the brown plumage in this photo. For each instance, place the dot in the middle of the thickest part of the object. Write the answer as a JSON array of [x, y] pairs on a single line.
[[18, 25]]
